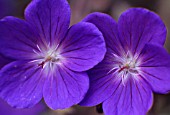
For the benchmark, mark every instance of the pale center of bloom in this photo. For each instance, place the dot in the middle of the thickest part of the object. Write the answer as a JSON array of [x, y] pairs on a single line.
[[51, 57], [126, 66], [48, 57]]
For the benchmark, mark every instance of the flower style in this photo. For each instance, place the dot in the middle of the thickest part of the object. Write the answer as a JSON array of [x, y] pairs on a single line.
[[51, 58], [136, 63]]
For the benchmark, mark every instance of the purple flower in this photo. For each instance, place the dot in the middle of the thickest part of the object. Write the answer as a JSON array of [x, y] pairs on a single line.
[[51, 59], [136, 63]]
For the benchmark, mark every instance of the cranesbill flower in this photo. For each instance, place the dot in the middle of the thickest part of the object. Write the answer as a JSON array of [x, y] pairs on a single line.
[[136, 63], [51, 59]]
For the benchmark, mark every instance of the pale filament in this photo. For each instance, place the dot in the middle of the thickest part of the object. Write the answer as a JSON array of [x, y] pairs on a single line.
[[50, 56], [127, 66]]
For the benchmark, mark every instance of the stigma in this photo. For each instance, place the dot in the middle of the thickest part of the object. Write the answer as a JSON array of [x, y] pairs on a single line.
[[47, 57], [126, 66]]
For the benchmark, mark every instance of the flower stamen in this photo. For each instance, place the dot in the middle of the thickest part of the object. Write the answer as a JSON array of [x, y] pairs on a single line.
[[126, 66]]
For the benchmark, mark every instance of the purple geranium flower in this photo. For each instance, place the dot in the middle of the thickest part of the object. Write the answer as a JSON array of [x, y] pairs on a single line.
[[136, 63], [50, 58]]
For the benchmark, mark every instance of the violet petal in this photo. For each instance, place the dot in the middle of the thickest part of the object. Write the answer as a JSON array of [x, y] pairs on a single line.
[[64, 88]]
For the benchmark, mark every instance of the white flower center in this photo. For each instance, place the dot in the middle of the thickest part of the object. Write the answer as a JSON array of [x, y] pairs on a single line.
[[126, 66], [48, 57]]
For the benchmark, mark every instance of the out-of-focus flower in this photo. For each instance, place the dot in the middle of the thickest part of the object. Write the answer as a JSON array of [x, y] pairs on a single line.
[[69, 111], [6, 109], [81, 8], [136, 63], [51, 59]]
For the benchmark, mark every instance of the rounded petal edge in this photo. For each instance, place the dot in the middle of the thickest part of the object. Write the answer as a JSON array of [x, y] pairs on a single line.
[[83, 47]]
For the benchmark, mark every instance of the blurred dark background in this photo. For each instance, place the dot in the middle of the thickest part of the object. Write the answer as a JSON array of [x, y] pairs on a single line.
[[80, 8]]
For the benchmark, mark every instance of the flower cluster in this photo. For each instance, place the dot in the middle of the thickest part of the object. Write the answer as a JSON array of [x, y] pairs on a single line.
[[98, 60], [135, 65]]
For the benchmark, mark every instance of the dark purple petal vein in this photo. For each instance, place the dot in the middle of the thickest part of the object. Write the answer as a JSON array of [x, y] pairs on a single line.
[[21, 84], [135, 98], [51, 18], [83, 47], [64, 88], [156, 67], [138, 26]]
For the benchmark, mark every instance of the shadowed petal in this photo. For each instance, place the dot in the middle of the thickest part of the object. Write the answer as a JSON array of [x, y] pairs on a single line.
[[21, 84], [18, 40], [51, 18], [155, 67], [4, 60], [64, 88], [108, 26], [138, 26], [83, 47], [6, 109], [102, 83], [135, 98]]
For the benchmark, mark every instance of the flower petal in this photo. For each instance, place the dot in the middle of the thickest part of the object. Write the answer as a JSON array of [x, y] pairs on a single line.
[[64, 88], [21, 84], [18, 40], [155, 67], [108, 26], [6, 109], [103, 82], [51, 18], [4, 60], [83, 47], [138, 26], [135, 98]]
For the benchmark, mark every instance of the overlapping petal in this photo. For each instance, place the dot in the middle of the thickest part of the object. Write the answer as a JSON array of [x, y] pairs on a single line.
[[83, 47], [138, 26], [21, 84], [102, 80], [109, 28], [18, 39], [125, 41], [64, 88], [4, 60], [51, 18], [135, 98], [155, 67]]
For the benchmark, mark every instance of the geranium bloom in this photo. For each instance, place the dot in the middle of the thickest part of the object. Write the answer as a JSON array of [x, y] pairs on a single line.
[[136, 63], [51, 59]]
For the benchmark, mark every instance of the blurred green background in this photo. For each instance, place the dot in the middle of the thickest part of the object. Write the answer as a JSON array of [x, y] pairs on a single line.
[[80, 8]]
